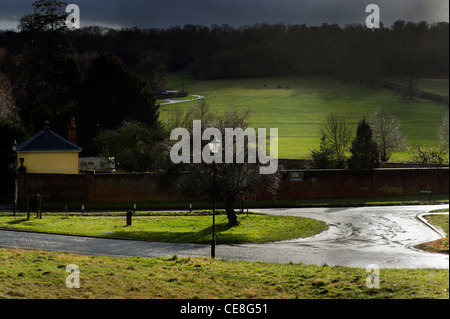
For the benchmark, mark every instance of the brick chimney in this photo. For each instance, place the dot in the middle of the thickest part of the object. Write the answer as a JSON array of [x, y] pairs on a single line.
[[72, 131]]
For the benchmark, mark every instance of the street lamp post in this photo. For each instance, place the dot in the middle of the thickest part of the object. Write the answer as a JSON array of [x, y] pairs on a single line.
[[213, 242], [214, 147]]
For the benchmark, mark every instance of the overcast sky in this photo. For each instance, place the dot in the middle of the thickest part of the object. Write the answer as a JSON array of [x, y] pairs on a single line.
[[165, 13]]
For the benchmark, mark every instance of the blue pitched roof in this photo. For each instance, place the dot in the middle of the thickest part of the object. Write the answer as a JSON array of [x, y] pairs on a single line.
[[47, 140]]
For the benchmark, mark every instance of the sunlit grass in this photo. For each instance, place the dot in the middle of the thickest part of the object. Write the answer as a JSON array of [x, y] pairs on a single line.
[[298, 111], [440, 221], [172, 227], [42, 275]]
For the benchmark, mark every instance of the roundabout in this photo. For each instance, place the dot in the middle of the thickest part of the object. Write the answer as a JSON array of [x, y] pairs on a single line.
[[357, 237]]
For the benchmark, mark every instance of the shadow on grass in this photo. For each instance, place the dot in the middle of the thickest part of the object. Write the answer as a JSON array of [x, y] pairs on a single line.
[[18, 221], [203, 236]]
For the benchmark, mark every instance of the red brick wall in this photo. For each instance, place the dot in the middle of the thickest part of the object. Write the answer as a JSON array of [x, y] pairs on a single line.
[[125, 188], [92, 188], [120, 188], [364, 183], [56, 187]]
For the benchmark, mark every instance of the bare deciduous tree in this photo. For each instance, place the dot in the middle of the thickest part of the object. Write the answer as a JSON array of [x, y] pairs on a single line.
[[153, 68], [182, 117], [336, 137], [443, 131], [430, 157], [8, 110], [386, 133], [195, 179]]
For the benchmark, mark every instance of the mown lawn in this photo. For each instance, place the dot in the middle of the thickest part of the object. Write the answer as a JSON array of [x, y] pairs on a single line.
[[298, 111], [42, 275], [178, 227], [442, 223], [440, 220]]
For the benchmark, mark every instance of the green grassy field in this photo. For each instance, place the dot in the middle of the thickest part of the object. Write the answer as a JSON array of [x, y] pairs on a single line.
[[298, 111], [179, 227], [441, 222], [42, 275]]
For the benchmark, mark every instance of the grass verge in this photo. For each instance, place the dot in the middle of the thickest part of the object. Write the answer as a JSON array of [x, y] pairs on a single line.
[[179, 227], [42, 275], [441, 222]]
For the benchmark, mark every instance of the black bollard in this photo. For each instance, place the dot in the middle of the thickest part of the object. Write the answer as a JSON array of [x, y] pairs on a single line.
[[39, 206], [28, 206], [129, 214]]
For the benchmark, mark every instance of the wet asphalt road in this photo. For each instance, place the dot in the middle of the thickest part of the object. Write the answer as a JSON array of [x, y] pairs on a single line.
[[357, 237]]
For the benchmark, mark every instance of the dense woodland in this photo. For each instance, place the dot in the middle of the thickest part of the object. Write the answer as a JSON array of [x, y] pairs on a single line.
[[352, 52], [37, 58], [106, 77]]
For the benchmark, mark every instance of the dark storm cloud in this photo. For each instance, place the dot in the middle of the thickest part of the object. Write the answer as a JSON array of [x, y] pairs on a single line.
[[161, 13], [164, 13]]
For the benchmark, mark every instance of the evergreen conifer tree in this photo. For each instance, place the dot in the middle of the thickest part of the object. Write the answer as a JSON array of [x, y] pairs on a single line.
[[364, 149]]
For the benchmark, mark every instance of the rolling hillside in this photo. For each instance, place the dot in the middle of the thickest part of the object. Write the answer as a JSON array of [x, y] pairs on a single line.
[[299, 107]]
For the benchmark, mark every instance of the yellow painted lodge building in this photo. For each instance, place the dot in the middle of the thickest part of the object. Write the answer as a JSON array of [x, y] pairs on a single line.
[[49, 153]]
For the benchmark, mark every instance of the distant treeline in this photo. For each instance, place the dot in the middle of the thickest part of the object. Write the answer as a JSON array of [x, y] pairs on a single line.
[[351, 53]]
